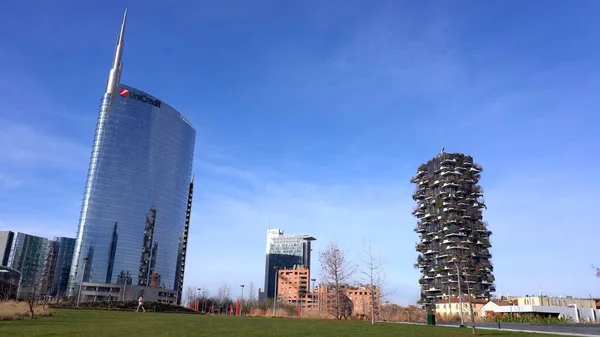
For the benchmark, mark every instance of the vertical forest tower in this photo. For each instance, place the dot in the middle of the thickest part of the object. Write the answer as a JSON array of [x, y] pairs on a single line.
[[454, 241]]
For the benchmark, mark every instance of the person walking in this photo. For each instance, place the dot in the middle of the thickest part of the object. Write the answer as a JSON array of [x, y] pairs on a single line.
[[140, 304]]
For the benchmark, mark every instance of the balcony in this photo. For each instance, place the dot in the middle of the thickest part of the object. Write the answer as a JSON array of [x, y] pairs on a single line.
[[418, 196], [433, 289], [455, 234], [457, 247], [450, 184], [435, 183]]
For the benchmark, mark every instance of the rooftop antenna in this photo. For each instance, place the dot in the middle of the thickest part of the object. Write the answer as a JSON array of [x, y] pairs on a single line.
[[114, 76], [443, 149]]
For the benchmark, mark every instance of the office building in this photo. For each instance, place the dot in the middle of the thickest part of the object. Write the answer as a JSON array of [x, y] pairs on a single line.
[[28, 256], [135, 202], [64, 257], [43, 265], [284, 252], [6, 239], [454, 243]]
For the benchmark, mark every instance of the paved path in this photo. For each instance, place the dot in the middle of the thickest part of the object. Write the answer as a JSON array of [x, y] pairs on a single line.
[[558, 329]]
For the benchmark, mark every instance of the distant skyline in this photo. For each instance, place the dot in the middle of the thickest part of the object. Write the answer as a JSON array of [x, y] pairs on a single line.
[[312, 117]]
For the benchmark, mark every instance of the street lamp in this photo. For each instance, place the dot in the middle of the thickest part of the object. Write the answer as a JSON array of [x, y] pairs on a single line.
[[242, 300], [85, 260]]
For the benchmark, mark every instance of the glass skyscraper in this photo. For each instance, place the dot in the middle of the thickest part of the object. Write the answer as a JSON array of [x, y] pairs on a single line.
[[284, 252], [136, 196]]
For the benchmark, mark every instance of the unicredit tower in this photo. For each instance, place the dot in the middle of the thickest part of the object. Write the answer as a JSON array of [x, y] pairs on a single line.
[[137, 200]]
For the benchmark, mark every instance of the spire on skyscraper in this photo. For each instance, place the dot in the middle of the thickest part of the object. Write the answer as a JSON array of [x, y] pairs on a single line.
[[114, 76]]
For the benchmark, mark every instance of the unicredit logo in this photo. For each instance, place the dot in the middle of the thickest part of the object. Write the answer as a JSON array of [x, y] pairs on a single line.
[[140, 97]]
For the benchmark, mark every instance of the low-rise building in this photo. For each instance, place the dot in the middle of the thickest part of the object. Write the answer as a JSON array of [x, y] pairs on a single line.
[[97, 292], [452, 307], [355, 300], [575, 309]]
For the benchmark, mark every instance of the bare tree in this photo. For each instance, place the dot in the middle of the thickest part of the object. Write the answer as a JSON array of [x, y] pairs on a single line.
[[224, 295], [251, 294], [336, 272], [8, 290], [372, 271], [464, 273], [191, 294], [597, 270], [31, 294]]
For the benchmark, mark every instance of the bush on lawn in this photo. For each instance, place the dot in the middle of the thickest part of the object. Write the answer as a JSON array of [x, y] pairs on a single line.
[[13, 310]]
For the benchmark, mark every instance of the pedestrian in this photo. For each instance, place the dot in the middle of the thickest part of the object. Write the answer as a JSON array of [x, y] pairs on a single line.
[[140, 304]]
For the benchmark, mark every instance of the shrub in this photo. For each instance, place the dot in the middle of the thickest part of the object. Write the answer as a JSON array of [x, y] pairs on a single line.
[[527, 319], [13, 310]]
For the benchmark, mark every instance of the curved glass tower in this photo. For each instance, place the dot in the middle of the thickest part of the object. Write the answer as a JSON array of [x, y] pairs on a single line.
[[136, 195]]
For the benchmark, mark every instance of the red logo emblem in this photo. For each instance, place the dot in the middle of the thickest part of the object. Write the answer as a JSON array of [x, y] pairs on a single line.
[[124, 92]]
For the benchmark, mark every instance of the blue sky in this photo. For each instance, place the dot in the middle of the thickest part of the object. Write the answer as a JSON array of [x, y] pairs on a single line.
[[315, 115]]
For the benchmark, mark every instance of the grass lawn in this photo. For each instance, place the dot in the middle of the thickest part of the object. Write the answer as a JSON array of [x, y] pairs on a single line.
[[91, 323]]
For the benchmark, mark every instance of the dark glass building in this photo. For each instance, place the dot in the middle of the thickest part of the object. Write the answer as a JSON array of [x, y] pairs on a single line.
[[136, 195], [284, 252], [454, 243], [64, 258]]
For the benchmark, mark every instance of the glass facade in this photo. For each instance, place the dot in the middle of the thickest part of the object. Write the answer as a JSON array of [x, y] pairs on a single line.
[[136, 196], [64, 257], [28, 255]]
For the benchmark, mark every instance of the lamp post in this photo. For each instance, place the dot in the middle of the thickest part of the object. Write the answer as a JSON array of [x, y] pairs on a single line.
[[242, 300], [85, 260], [198, 298]]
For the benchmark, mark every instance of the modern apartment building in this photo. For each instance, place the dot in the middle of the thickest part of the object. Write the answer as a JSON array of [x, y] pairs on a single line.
[[293, 286], [454, 248], [135, 207], [284, 252]]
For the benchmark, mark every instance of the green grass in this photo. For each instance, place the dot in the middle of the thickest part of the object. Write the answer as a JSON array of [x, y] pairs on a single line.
[[113, 323]]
